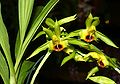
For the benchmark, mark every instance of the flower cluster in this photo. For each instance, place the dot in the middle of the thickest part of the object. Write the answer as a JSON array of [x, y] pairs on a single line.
[[59, 40]]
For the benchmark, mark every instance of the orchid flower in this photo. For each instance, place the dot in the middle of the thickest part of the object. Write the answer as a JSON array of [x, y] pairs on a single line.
[[91, 34], [54, 36], [100, 57], [79, 56]]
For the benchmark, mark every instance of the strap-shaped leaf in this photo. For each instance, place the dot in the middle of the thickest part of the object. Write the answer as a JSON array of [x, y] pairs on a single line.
[[102, 80], [25, 10], [105, 39], [68, 58], [4, 72], [17, 44], [4, 42], [39, 49], [26, 66], [36, 11], [92, 71]]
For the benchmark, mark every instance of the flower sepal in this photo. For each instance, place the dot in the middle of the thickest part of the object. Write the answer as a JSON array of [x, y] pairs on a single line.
[[89, 20], [67, 58], [50, 22], [67, 19]]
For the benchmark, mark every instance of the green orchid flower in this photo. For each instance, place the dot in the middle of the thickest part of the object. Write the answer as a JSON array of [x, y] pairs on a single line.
[[58, 45], [79, 56], [55, 36], [91, 34], [88, 34], [100, 57]]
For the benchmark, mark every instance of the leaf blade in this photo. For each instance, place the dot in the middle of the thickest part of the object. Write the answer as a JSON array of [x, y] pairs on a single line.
[[25, 10], [105, 39], [4, 72], [68, 58], [102, 80], [39, 49], [26, 65], [4, 42], [92, 71]]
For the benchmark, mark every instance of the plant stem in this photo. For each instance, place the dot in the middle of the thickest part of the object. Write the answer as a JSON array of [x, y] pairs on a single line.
[[34, 66], [39, 67], [12, 71]]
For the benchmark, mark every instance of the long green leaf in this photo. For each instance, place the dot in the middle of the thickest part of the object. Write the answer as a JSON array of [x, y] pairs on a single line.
[[17, 44], [105, 39], [36, 11], [4, 72], [39, 49], [40, 65], [26, 66], [4, 42], [35, 25], [25, 11], [102, 80]]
